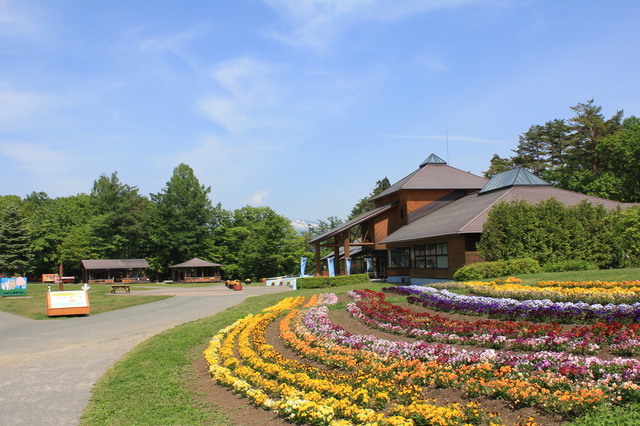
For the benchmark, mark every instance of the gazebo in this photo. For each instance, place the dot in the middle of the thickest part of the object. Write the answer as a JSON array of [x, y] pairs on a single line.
[[196, 271], [109, 271]]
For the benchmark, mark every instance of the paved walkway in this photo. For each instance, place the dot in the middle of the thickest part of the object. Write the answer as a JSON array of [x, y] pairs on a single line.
[[48, 367]]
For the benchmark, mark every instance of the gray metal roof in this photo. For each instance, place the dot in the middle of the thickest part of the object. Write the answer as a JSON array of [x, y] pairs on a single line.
[[353, 222], [115, 264], [468, 215], [516, 176], [195, 263], [433, 159], [353, 251], [436, 175]]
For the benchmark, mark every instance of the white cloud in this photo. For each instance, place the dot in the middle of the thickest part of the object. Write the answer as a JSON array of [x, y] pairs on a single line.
[[36, 158], [458, 138], [318, 23], [258, 197], [17, 18], [249, 89], [16, 106]]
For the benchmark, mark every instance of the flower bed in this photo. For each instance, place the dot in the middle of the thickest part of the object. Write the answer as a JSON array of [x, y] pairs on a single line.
[[513, 309], [372, 309], [345, 378]]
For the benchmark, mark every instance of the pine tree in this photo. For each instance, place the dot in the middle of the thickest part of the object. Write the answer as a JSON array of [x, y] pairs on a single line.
[[14, 242]]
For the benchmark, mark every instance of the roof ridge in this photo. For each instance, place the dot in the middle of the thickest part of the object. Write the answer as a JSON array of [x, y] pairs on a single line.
[[489, 207]]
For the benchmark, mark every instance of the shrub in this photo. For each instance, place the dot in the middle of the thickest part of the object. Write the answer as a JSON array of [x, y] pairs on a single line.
[[326, 282], [570, 265], [500, 268]]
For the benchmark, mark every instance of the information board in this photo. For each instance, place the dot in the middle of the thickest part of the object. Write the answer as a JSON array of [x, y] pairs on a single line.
[[67, 303]]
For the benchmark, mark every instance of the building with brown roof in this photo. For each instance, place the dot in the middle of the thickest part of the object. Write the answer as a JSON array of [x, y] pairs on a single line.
[[426, 226], [434, 246], [433, 185]]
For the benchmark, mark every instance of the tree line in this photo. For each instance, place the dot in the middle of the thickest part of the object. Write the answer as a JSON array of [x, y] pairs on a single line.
[[114, 221], [588, 153]]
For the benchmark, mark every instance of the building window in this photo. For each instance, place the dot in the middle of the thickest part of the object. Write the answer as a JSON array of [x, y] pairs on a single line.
[[400, 257], [431, 256]]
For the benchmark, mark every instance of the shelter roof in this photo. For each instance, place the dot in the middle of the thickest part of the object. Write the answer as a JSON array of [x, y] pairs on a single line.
[[468, 215], [115, 264], [353, 222], [434, 173], [353, 251], [195, 263]]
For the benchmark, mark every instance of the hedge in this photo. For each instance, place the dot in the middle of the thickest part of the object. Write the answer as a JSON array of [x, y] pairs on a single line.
[[326, 282], [499, 268]]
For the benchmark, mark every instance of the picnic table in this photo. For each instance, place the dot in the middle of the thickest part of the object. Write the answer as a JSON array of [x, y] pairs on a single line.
[[126, 288]]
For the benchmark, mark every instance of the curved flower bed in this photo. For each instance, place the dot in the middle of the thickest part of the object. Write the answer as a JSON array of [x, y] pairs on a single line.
[[240, 358], [512, 309], [564, 293], [590, 284], [364, 379], [551, 381], [372, 309]]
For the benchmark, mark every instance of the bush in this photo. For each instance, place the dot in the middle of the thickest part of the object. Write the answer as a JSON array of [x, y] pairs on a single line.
[[570, 265], [327, 282], [500, 268]]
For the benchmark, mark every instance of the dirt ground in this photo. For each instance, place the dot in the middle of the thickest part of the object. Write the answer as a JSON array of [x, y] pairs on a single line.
[[243, 413]]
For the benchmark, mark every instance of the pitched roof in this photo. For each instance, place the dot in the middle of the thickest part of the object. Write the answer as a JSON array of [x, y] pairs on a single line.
[[115, 264], [195, 263], [516, 176], [468, 215], [353, 222], [434, 173]]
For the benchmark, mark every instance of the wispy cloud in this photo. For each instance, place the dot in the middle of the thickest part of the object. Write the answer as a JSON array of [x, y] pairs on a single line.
[[249, 87], [36, 157], [17, 106], [318, 23], [258, 197], [18, 18], [445, 137]]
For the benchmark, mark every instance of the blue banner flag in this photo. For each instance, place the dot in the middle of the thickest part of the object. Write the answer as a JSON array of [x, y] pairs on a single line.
[[303, 265], [332, 270], [348, 265]]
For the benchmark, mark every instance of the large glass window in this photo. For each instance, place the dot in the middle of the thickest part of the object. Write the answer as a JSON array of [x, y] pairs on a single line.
[[431, 256], [400, 257]]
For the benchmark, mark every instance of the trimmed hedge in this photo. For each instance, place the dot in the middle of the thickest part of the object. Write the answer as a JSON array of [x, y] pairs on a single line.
[[500, 268], [570, 265], [326, 282]]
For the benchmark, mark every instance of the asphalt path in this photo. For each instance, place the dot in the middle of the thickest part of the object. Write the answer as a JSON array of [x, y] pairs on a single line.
[[48, 367]]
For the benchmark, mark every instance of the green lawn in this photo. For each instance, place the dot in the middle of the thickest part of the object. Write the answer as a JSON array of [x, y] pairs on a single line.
[[628, 274], [34, 305]]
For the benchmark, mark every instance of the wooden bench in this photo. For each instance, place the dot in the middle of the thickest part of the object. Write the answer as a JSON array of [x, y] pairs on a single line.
[[126, 288]]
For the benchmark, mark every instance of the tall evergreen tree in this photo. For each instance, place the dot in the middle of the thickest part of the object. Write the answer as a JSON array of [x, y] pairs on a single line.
[[183, 219], [14, 242], [122, 221]]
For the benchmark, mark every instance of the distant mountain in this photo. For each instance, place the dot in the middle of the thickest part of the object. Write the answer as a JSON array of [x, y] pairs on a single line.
[[301, 225]]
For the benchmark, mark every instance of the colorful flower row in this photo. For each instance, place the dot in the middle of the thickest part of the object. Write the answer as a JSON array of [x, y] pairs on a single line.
[[372, 309], [552, 381], [591, 295], [512, 309], [589, 284], [240, 358]]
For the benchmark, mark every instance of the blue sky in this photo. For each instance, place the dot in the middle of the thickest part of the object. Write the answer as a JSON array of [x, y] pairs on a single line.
[[300, 105]]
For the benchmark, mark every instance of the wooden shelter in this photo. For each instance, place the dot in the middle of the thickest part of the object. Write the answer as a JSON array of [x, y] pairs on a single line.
[[196, 270], [109, 271]]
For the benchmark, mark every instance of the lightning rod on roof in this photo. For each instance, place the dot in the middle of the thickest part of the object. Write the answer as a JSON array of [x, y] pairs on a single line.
[[447, 132]]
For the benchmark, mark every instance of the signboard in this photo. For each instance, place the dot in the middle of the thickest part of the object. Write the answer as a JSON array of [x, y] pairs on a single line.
[[49, 278], [14, 286], [67, 303]]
